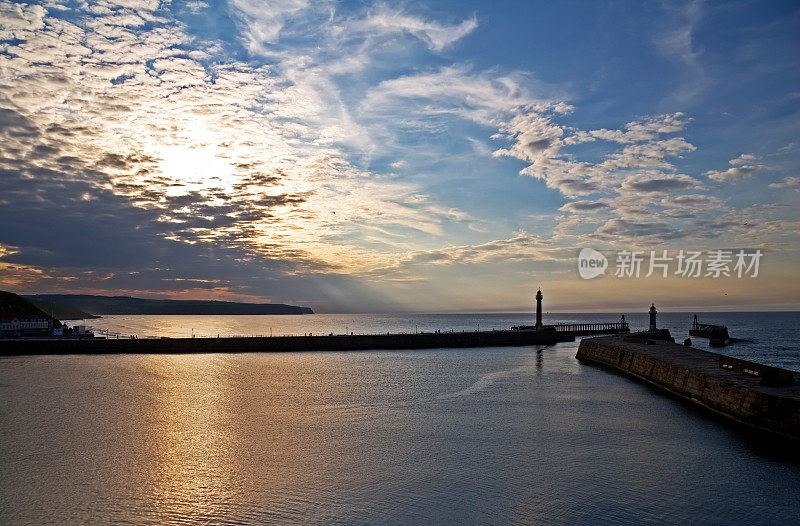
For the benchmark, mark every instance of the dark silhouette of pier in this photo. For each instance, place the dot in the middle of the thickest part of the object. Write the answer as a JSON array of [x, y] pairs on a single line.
[[570, 330], [717, 334], [586, 329], [538, 334]]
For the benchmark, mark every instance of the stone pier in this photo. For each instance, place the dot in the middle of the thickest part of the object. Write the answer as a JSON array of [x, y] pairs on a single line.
[[762, 397]]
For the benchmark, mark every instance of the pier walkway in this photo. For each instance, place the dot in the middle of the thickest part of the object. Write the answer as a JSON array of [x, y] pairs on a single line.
[[587, 329], [344, 342], [522, 335], [568, 331], [763, 397], [717, 334]]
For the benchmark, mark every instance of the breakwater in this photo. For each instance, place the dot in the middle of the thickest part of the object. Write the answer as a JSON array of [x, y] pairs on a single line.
[[717, 334], [342, 342], [762, 397], [546, 335]]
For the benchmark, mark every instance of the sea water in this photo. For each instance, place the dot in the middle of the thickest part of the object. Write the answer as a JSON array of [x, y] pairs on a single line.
[[509, 435]]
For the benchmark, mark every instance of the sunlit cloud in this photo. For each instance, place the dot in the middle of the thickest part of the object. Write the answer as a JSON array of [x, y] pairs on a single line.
[[741, 168]]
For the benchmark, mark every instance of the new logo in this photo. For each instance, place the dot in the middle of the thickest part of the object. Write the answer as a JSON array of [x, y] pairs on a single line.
[[591, 263]]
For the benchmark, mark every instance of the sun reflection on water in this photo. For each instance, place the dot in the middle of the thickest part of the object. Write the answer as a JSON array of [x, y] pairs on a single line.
[[190, 436]]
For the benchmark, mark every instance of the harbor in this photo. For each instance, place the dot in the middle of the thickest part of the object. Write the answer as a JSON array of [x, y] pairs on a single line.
[[760, 396], [526, 419]]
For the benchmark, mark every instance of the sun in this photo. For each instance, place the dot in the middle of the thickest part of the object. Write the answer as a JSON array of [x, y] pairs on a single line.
[[195, 168]]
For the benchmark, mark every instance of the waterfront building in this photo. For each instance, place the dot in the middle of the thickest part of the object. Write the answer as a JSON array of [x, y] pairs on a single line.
[[33, 325]]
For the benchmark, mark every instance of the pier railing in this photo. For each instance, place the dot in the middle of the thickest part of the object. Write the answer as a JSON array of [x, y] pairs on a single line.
[[591, 327], [707, 327]]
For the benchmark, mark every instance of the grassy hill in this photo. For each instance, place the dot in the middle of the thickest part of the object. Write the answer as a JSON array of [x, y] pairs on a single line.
[[62, 312], [15, 306]]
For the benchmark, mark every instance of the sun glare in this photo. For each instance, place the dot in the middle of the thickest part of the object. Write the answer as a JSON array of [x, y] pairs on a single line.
[[194, 169]]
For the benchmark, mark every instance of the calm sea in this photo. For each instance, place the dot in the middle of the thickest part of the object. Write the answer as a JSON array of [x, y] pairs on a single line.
[[514, 435]]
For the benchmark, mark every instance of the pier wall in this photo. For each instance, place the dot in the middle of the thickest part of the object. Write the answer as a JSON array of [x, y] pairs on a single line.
[[281, 343], [697, 376]]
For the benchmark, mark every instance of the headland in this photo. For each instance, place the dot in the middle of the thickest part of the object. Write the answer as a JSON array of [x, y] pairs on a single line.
[[127, 305]]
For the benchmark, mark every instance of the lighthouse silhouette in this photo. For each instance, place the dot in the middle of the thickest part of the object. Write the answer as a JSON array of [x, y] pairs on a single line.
[[539, 309]]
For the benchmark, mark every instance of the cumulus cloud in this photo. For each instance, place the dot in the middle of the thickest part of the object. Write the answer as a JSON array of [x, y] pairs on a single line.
[[643, 148], [742, 168], [196, 6], [529, 123], [789, 182], [698, 201], [639, 165], [645, 129], [658, 183], [584, 206]]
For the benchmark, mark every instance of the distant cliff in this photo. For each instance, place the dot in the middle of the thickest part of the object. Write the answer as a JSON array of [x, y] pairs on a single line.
[[127, 305], [62, 312]]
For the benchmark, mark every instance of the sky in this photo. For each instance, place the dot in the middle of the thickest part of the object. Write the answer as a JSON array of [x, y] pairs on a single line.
[[401, 156]]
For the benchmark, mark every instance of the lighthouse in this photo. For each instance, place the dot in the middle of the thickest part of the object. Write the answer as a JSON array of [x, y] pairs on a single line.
[[538, 309], [653, 318]]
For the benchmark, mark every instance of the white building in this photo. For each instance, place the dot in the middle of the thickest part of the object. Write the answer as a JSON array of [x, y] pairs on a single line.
[[22, 325]]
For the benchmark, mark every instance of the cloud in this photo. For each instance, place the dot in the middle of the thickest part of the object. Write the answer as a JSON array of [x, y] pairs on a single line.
[[139, 156], [385, 20], [678, 44], [196, 6], [19, 19], [742, 168], [584, 206], [263, 24], [263, 21], [457, 90], [615, 229], [745, 158], [641, 165], [529, 124], [789, 182], [15, 124], [658, 183], [522, 247], [645, 129], [141, 148], [699, 201], [644, 150]]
